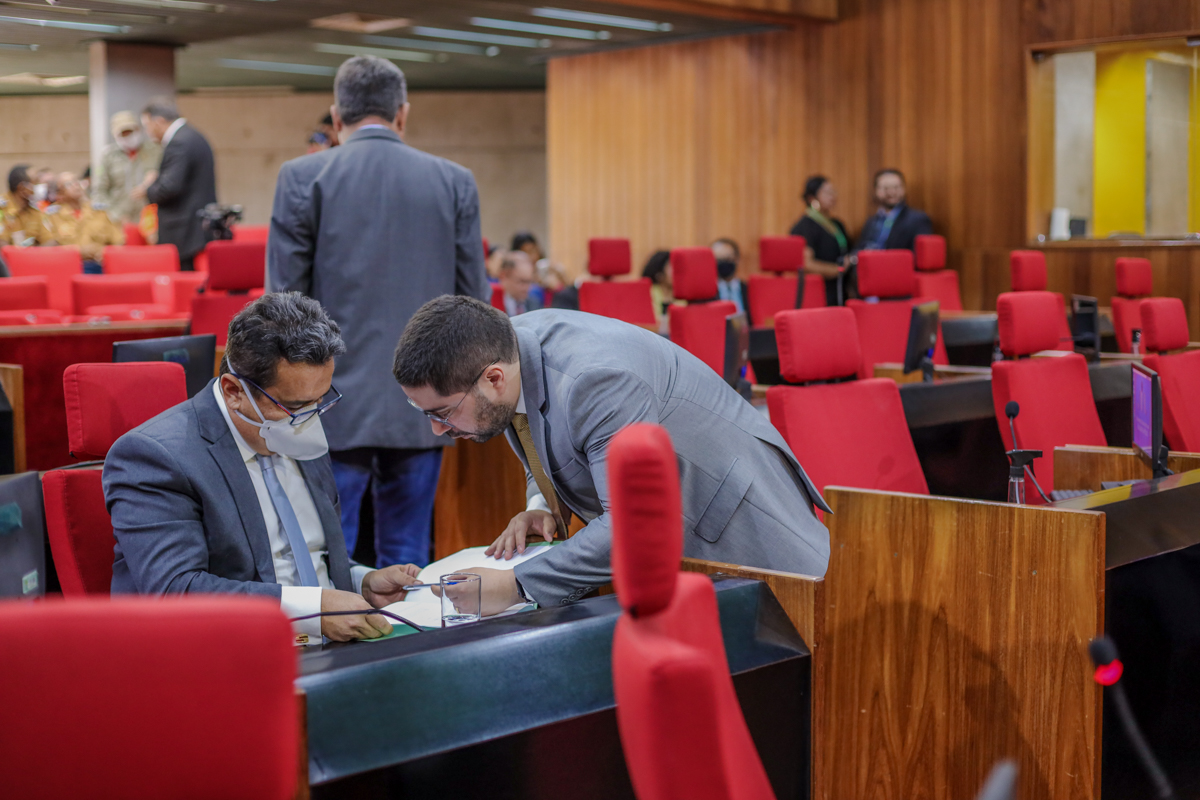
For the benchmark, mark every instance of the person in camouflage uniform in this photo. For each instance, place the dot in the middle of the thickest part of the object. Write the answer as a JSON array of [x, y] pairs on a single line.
[[24, 223], [129, 163], [77, 222]]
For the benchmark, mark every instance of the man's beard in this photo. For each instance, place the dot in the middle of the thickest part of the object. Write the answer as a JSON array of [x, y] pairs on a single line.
[[491, 419]]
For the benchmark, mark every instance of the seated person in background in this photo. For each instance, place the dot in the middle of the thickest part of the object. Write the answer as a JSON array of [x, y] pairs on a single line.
[[220, 493], [24, 222], [825, 235], [547, 271], [77, 222], [492, 263], [729, 286], [516, 278], [894, 225], [658, 270]]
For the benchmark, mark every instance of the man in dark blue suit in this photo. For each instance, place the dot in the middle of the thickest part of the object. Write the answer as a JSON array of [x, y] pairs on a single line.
[[894, 226]]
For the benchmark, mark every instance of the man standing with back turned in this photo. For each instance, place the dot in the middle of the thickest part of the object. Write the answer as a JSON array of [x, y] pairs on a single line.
[[373, 229]]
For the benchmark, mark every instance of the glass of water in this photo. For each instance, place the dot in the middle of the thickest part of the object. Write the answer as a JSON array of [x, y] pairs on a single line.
[[461, 598]]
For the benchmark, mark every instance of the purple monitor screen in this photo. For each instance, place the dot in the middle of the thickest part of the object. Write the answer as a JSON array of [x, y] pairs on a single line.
[[1143, 411]]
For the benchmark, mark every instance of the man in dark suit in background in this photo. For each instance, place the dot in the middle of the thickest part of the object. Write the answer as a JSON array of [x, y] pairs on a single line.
[[373, 229], [517, 278], [186, 181], [894, 226]]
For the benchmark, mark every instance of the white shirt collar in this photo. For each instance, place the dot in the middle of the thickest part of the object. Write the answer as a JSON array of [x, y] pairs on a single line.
[[171, 131], [247, 452]]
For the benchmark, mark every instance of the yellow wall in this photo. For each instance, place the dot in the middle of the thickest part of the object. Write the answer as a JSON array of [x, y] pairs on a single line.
[[1119, 168]]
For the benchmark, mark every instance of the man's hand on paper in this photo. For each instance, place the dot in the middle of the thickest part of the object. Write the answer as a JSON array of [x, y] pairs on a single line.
[[526, 525], [382, 587], [498, 590], [351, 626]]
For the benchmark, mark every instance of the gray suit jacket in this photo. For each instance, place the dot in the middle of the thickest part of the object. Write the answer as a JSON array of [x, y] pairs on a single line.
[[168, 484], [373, 230], [746, 500]]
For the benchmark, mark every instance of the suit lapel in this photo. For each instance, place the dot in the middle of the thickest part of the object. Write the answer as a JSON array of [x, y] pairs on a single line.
[[533, 386], [335, 540]]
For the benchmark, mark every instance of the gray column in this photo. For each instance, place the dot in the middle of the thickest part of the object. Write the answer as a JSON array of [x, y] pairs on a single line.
[[123, 77]]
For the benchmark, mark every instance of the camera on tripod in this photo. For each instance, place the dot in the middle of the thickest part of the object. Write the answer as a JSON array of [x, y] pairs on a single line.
[[217, 220]]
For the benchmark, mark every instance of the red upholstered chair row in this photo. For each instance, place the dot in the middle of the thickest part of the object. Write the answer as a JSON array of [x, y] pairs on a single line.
[[236, 266], [883, 326], [681, 726], [769, 294], [846, 434], [26, 301], [129, 698], [629, 301], [158, 259], [133, 235], [251, 233], [117, 297], [103, 401], [1165, 328], [1028, 270], [1134, 282], [212, 313], [609, 257], [58, 265], [693, 273], [700, 329], [933, 279], [1054, 392]]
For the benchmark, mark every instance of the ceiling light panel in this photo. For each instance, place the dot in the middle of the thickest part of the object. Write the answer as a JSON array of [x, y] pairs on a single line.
[[276, 66], [71, 26], [388, 53], [441, 47], [484, 38], [541, 30], [611, 20]]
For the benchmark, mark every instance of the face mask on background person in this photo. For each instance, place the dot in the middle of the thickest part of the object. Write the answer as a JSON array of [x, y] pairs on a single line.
[[303, 442], [726, 269], [130, 141], [40, 192]]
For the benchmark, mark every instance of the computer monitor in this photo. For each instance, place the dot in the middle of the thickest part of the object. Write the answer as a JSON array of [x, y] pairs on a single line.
[[1085, 323], [922, 339], [197, 354], [22, 536], [737, 349], [1147, 419]]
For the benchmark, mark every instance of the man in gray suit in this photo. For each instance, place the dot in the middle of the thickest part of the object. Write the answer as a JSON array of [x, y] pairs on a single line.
[[220, 492], [372, 230], [560, 385]]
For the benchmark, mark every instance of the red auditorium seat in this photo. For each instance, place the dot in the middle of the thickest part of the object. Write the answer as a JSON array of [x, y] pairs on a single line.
[[129, 698], [770, 294], [181, 288], [212, 313], [933, 279], [117, 297], [251, 233], [681, 726], [628, 301], [237, 266], [104, 401], [883, 326], [1055, 392], [156, 259], [498, 296], [1028, 270], [26, 301], [133, 235], [1134, 283], [846, 434], [57, 264], [698, 327], [1165, 328]]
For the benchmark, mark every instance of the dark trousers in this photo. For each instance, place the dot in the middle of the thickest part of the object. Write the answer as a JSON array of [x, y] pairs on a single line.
[[403, 483]]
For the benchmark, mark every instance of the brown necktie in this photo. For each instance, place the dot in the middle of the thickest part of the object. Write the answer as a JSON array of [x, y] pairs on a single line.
[[561, 516]]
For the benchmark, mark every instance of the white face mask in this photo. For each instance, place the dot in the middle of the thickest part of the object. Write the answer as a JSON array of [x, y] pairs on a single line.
[[40, 192], [130, 141], [302, 442]]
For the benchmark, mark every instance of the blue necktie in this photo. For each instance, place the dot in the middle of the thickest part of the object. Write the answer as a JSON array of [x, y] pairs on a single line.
[[287, 518]]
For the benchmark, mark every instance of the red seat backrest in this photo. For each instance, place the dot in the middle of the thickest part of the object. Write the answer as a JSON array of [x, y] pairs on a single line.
[[1054, 392], [629, 301], [883, 326], [212, 313], [183, 287], [57, 264], [693, 273], [124, 672], [133, 235], [1164, 327], [681, 726], [23, 293], [79, 529], [1135, 277], [157, 259], [929, 252], [608, 257], [105, 290], [1134, 281], [1126, 317], [1028, 270], [781, 253], [252, 233], [498, 296], [941, 286], [845, 434], [770, 294], [235, 266], [32, 316], [700, 329]]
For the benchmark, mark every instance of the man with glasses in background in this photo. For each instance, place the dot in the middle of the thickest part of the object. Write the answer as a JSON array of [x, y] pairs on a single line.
[[232, 491]]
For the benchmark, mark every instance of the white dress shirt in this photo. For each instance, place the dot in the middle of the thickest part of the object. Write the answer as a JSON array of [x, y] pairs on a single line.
[[170, 134], [297, 601]]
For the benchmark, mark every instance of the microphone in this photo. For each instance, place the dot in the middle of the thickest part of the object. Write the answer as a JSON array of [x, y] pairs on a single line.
[[1011, 409], [1001, 783], [1108, 673]]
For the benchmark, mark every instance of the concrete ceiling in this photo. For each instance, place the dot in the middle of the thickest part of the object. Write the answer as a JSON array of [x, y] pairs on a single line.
[[440, 44]]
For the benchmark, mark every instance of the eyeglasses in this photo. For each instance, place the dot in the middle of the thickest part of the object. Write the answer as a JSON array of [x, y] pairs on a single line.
[[446, 419], [298, 418]]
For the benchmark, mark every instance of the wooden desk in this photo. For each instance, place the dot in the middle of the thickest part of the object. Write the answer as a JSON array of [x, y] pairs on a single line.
[[45, 351], [941, 372], [1079, 467]]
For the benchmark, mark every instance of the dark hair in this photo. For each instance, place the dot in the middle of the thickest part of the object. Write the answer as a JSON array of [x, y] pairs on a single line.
[[888, 171], [163, 108], [737, 251], [812, 186], [522, 238], [280, 325], [369, 86], [656, 265], [326, 120], [16, 176], [449, 341]]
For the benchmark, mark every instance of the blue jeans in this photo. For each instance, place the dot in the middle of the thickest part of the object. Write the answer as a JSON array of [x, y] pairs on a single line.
[[403, 483]]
